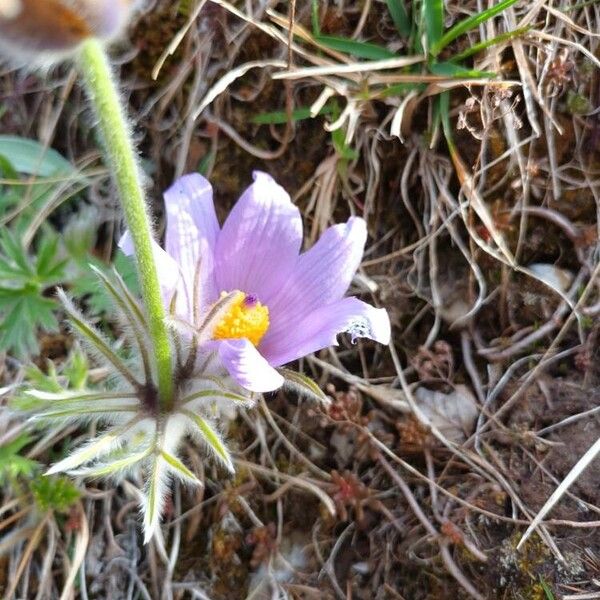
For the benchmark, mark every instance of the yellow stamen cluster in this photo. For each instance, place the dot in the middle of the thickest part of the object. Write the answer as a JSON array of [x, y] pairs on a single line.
[[244, 319]]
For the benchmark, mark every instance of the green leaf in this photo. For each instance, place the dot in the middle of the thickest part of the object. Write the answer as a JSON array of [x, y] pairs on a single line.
[[547, 591], [358, 49], [87, 287], [154, 497], [400, 89], [114, 466], [302, 384], [95, 338], [214, 394], [31, 158], [437, 45], [24, 282], [205, 163], [280, 117], [23, 313], [91, 451], [338, 137], [475, 48], [448, 69], [399, 16], [180, 469], [433, 15], [12, 464], [54, 493], [314, 17], [80, 233], [212, 438], [76, 370]]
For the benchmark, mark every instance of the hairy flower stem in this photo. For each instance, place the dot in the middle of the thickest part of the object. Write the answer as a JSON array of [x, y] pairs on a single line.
[[122, 161]]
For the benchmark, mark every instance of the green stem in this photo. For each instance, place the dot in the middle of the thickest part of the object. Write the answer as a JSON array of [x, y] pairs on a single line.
[[122, 161]]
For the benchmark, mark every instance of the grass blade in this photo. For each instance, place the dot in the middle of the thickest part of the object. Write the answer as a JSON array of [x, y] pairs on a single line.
[[433, 15], [565, 484], [399, 16], [503, 37], [356, 48], [448, 69], [280, 117], [314, 17], [467, 24]]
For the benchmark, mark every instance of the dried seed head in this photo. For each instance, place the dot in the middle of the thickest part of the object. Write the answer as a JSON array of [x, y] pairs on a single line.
[[48, 30]]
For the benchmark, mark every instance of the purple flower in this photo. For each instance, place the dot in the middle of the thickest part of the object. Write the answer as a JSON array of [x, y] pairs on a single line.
[[289, 303]]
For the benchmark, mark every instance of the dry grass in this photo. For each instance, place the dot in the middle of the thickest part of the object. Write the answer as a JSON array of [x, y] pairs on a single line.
[[369, 498]]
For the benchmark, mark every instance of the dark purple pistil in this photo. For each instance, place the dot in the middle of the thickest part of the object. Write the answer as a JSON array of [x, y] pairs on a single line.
[[250, 300]]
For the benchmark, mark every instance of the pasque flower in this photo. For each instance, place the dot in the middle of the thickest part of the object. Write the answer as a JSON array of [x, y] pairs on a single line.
[[47, 29], [284, 303]]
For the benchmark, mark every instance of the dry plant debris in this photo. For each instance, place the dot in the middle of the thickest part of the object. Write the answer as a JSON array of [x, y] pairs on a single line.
[[482, 197]]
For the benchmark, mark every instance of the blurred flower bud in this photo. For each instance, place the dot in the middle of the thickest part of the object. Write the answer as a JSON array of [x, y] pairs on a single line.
[[49, 29]]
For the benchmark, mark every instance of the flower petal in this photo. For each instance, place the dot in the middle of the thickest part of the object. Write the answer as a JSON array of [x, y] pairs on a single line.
[[191, 235], [260, 240], [168, 270], [320, 329], [322, 275], [245, 364]]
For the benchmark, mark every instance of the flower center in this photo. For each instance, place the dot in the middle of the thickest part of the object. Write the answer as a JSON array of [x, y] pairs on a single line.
[[247, 318]]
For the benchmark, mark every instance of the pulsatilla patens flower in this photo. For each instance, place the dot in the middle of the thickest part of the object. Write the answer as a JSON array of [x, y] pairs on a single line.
[[282, 304], [53, 27]]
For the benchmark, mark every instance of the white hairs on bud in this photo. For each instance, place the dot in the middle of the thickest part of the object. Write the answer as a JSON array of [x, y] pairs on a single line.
[[10, 9], [42, 33]]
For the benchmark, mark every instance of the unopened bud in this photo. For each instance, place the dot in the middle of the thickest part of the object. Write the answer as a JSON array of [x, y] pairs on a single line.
[[50, 29]]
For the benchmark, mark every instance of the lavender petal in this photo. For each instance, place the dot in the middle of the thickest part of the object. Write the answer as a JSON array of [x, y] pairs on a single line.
[[245, 364], [260, 241], [320, 329]]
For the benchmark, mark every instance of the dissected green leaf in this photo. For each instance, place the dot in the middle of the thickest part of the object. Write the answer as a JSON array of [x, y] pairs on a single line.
[[54, 493], [76, 370], [24, 281], [12, 464], [23, 312]]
